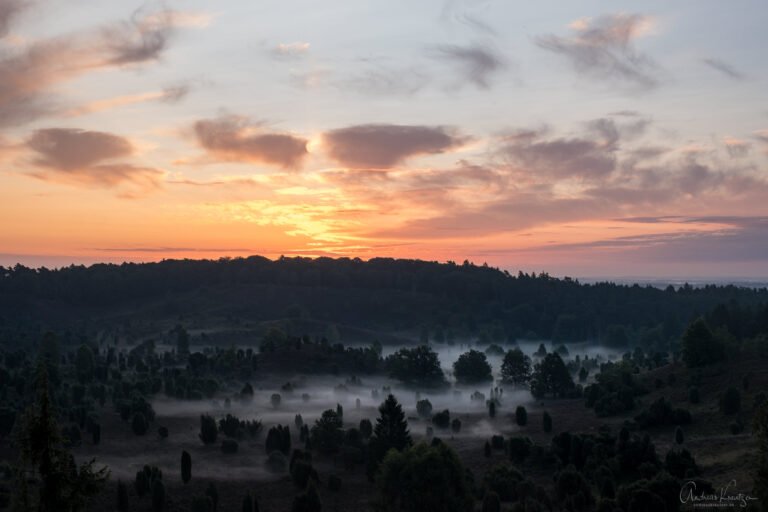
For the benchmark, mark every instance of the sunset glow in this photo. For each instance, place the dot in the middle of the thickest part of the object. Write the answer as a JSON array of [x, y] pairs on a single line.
[[593, 141]]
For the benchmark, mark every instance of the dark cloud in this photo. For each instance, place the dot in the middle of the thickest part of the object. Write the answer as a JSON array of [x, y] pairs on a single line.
[[386, 145], [77, 156], [724, 68], [740, 239], [9, 9], [563, 158], [603, 49], [69, 149], [141, 39], [477, 64], [233, 138]]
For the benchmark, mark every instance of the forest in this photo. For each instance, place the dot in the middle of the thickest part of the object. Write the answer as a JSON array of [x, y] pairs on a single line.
[[389, 385]]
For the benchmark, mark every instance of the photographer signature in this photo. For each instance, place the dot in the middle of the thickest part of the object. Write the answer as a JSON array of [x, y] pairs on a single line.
[[725, 498]]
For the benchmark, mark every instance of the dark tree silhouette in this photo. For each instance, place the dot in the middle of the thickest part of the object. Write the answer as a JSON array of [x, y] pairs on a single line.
[[390, 432], [516, 368], [551, 377], [472, 367], [186, 467]]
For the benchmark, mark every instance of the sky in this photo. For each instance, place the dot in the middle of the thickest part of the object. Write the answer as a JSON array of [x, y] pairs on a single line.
[[588, 139]]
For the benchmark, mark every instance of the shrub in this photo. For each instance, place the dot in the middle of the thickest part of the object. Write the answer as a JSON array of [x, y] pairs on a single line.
[[301, 472], [519, 448], [145, 479], [327, 434], [186, 467], [456, 425], [208, 430], [278, 438], [521, 416], [681, 464], [247, 503], [497, 442], [547, 422], [139, 424], [487, 449], [275, 400], [122, 497], [308, 501], [276, 462], [213, 495], [491, 502], [298, 421], [366, 428], [442, 419], [502, 479], [424, 408], [679, 436], [158, 496], [423, 478], [202, 504], [730, 403], [492, 408], [162, 432], [334, 483], [660, 413], [229, 446]]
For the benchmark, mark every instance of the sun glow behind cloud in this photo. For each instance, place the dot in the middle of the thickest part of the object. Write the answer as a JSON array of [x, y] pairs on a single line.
[[585, 142]]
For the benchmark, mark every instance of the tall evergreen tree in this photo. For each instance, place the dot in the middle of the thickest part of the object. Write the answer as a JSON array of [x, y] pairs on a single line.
[[390, 432], [63, 486]]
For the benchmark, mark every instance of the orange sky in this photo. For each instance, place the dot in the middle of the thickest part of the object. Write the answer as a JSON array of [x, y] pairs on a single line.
[[584, 142]]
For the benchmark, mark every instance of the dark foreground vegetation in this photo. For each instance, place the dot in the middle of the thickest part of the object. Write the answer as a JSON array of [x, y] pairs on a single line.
[[308, 385]]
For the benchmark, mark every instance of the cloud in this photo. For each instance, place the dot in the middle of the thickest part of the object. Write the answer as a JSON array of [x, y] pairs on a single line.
[[290, 50], [476, 63], [140, 39], [386, 145], [79, 156], [28, 73], [383, 80], [233, 138], [736, 148], [724, 68], [564, 158], [10, 9], [68, 149], [167, 95], [603, 48], [461, 14], [722, 239]]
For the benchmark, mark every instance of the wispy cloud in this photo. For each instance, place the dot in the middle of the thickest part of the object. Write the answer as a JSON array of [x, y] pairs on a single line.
[[603, 48], [28, 73], [168, 95], [724, 68], [476, 64], [293, 50]]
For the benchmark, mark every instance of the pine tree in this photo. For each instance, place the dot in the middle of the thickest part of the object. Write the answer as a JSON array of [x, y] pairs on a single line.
[[391, 431], [63, 486]]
